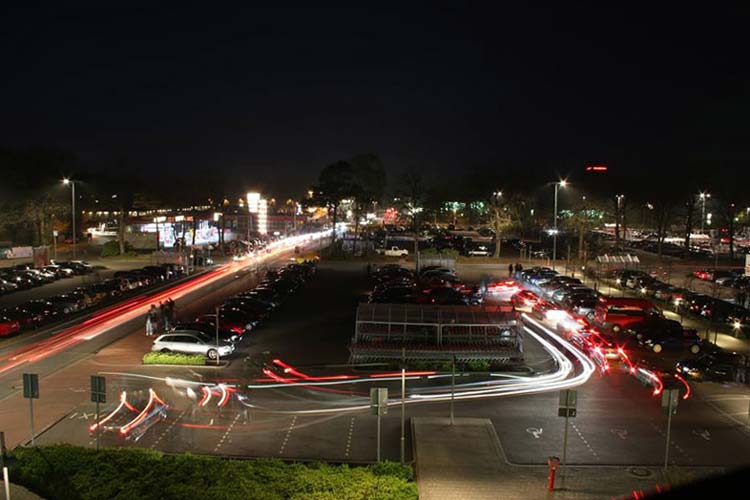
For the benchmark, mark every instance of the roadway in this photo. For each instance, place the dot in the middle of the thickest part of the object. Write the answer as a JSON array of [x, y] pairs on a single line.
[[65, 356], [619, 422]]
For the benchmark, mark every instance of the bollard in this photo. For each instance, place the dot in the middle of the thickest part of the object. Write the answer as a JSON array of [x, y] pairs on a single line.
[[553, 463]]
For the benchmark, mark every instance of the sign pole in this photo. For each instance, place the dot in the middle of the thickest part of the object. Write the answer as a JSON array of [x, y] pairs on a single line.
[[97, 425], [31, 392], [453, 385], [669, 429], [379, 407], [31, 414], [378, 456], [98, 395], [403, 407], [6, 481]]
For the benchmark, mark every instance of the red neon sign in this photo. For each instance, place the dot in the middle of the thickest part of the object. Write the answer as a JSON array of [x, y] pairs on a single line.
[[597, 168]]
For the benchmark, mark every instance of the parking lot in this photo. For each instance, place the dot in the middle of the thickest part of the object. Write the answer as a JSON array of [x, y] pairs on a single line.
[[618, 421]]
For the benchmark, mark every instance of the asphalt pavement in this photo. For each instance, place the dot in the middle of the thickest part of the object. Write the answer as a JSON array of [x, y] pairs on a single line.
[[619, 422]]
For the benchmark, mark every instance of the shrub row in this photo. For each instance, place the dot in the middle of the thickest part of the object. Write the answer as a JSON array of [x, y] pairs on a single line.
[[173, 358], [65, 472]]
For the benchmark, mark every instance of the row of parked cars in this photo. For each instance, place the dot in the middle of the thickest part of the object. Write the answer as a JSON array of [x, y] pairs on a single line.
[[237, 315], [718, 311], [437, 285], [39, 312], [599, 321], [734, 278], [26, 276], [558, 291]]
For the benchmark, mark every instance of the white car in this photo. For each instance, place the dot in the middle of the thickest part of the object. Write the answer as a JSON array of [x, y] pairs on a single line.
[[191, 343], [393, 252]]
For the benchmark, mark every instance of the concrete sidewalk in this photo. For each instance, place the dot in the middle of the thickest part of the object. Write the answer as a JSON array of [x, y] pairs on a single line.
[[466, 460], [20, 493]]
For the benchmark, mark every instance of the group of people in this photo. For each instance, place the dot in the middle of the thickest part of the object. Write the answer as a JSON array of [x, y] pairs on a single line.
[[514, 269], [161, 317]]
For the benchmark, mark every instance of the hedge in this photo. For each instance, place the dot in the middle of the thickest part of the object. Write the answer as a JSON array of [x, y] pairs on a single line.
[[65, 472], [173, 358]]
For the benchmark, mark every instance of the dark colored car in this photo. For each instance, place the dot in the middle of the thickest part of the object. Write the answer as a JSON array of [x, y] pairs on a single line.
[[264, 295], [718, 367], [659, 334], [231, 319], [67, 303], [443, 296], [248, 305], [36, 312], [395, 295]]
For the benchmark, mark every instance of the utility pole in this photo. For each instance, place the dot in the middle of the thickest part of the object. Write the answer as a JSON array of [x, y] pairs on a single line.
[[217, 335], [554, 233]]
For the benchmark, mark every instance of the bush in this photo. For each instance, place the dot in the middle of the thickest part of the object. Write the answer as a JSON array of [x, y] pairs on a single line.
[[447, 253], [65, 472], [481, 365], [173, 358], [112, 249]]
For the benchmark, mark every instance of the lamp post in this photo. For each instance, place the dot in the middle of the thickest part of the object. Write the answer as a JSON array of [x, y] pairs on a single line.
[[72, 184], [558, 184], [703, 197]]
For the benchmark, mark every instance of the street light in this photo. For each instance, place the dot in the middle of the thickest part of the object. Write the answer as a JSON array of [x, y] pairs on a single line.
[[72, 185], [618, 216], [559, 184], [703, 197]]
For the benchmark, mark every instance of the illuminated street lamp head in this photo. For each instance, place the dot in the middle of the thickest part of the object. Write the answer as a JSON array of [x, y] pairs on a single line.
[[66, 181], [563, 183]]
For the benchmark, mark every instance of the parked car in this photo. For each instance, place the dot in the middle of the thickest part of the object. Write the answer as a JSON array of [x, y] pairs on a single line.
[[7, 286], [191, 342], [659, 334], [720, 366], [392, 251], [208, 330], [8, 325], [66, 303], [524, 298], [618, 313]]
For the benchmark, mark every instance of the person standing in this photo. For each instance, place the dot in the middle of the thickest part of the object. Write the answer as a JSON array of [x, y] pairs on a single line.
[[149, 326], [164, 316], [172, 312], [510, 269], [152, 322]]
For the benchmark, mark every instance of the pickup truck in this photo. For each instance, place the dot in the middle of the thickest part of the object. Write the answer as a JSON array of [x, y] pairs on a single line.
[[392, 252]]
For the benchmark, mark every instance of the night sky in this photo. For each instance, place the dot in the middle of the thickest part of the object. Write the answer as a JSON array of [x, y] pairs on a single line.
[[271, 96]]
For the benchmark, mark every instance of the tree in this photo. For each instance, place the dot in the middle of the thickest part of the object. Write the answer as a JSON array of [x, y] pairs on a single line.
[[335, 183], [368, 184], [412, 194], [505, 212], [691, 205], [584, 214]]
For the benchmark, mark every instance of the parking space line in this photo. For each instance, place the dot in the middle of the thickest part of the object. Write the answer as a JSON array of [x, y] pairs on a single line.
[[672, 443], [575, 428], [288, 433], [349, 437], [226, 434], [169, 428]]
